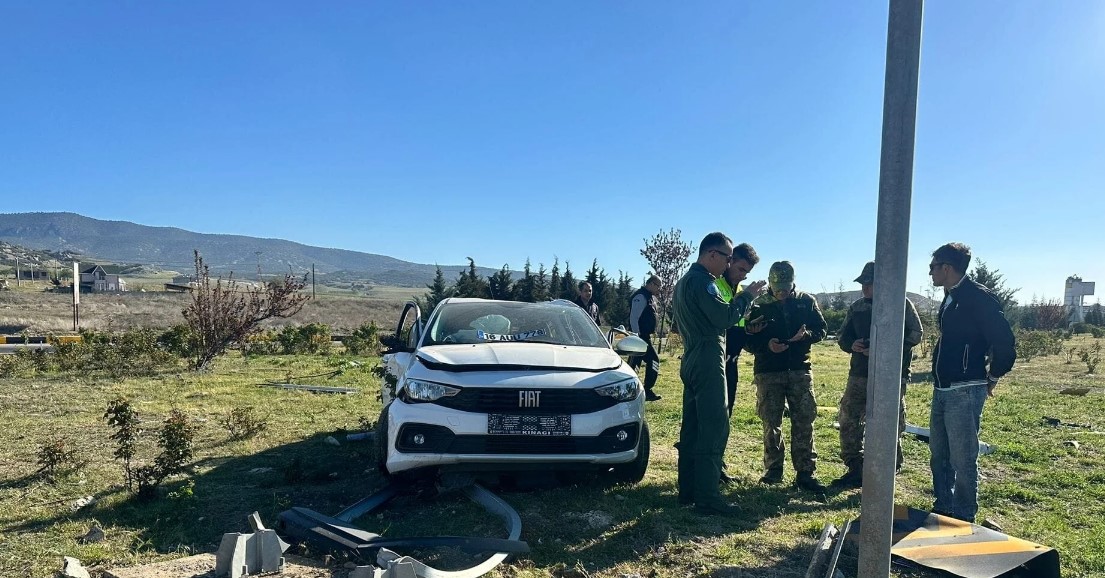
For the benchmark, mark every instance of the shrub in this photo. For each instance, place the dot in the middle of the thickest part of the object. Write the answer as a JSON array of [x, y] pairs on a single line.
[[1091, 357], [364, 339], [1038, 343], [57, 458], [310, 338], [243, 422], [179, 340], [176, 440]]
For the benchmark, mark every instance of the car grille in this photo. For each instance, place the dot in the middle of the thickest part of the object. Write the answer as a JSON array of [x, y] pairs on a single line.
[[438, 439], [506, 400]]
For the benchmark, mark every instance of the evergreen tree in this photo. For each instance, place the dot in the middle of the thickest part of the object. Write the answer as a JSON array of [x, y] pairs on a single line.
[[995, 282], [523, 289], [617, 309], [500, 284], [554, 280], [470, 284], [438, 292], [1095, 315], [541, 284], [568, 289]]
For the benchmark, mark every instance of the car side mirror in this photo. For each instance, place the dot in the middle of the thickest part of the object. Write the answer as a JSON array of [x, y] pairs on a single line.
[[393, 344], [631, 345]]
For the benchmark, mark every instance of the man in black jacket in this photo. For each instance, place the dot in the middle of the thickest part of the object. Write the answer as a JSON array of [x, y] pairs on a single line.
[[973, 329], [586, 303], [781, 328], [642, 321]]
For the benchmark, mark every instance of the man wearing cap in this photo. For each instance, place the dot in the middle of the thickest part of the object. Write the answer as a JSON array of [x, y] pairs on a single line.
[[855, 338], [975, 349], [788, 323], [702, 317], [642, 321]]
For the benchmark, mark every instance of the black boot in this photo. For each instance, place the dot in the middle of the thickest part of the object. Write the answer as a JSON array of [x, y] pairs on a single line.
[[772, 476], [808, 483], [853, 478]]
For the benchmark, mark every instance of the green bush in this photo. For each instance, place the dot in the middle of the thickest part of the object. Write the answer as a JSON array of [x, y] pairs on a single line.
[[1038, 343], [179, 340], [1082, 328], [364, 340], [310, 338]]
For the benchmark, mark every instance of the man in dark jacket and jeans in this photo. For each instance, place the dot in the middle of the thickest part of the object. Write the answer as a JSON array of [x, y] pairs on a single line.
[[642, 321], [973, 330], [782, 326]]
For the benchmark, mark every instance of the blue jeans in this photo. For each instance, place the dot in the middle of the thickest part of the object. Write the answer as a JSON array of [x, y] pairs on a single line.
[[954, 422]]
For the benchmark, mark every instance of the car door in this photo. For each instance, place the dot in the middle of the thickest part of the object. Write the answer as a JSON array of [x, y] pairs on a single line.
[[400, 353]]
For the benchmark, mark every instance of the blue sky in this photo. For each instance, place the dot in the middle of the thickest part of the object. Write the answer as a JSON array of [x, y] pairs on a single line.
[[435, 131]]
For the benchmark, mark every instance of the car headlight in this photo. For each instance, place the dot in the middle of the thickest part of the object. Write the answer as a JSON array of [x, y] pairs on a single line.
[[421, 391], [621, 391]]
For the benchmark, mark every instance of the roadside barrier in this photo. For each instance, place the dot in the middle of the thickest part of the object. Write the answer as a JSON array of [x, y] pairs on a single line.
[[21, 339]]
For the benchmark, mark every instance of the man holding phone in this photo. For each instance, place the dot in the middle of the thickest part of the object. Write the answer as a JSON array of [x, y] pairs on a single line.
[[855, 338], [782, 326]]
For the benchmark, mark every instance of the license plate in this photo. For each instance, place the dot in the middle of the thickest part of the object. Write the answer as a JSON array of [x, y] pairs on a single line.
[[529, 425]]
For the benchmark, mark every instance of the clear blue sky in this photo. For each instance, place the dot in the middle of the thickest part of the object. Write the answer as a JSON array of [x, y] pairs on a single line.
[[434, 131]]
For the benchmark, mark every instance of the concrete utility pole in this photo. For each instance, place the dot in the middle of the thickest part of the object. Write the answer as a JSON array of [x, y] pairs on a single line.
[[76, 295], [899, 124]]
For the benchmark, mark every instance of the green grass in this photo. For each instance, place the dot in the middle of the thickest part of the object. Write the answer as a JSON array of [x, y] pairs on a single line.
[[1034, 485]]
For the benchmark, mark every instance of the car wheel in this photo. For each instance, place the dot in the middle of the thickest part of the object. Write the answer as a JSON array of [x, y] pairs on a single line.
[[382, 442], [634, 471]]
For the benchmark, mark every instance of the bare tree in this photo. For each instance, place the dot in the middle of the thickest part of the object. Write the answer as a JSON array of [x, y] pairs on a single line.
[[667, 255], [224, 313]]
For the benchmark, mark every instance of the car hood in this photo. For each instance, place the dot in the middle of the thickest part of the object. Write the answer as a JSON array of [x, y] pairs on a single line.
[[488, 356]]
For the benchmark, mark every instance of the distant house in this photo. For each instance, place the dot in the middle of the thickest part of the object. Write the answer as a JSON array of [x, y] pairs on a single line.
[[95, 280]]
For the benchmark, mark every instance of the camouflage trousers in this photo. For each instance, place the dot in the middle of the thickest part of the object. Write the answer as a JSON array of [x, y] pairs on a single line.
[[853, 418], [791, 389]]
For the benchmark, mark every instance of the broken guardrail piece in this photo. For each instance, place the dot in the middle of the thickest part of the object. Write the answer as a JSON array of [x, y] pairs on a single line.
[[338, 533], [984, 449], [247, 554]]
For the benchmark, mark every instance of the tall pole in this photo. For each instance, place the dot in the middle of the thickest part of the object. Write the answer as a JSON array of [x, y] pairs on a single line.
[[76, 295], [312, 280], [899, 124]]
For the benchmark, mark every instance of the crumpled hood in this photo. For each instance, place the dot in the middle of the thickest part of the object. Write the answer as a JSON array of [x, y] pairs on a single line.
[[487, 355]]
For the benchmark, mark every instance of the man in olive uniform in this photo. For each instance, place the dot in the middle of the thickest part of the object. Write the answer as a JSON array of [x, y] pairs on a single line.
[[702, 317], [790, 323], [855, 338]]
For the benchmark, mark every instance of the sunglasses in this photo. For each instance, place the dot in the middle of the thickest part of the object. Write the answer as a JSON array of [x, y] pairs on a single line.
[[728, 256], [933, 266]]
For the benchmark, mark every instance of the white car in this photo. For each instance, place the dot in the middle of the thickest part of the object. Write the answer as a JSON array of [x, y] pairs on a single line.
[[498, 386]]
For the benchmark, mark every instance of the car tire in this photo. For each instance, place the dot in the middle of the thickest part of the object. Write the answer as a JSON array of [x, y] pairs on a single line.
[[634, 471], [382, 442]]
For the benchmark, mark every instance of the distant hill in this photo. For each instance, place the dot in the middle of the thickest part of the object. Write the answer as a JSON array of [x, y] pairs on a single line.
[[171, 248]]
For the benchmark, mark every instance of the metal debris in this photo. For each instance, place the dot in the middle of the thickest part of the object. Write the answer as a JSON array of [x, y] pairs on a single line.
[[247, 554], [72, 568], [984, 449]]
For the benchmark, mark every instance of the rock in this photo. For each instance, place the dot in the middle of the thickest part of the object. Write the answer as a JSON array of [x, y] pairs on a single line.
[[1071, 443], [71, 568], [598, 519], [95, 534], [332, 441], [82, 502], [989, 523]]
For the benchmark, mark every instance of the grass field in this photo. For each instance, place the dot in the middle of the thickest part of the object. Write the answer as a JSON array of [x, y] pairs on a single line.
[[1034, 485]]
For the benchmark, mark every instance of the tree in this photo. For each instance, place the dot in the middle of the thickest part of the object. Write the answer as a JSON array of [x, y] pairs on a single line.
[[500, 284], [541, 284], [994, 281], [470, 284], [568, 289], [667, 254], [438, 292], [554, 280], [224, 313], [617, 308], [523, 288], [1096, 316]]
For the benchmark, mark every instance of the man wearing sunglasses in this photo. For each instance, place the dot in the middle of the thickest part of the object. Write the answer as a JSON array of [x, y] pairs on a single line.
[[973, 330], [703, 316]]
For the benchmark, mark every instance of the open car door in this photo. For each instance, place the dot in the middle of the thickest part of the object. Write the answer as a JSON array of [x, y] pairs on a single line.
[[400, 349]]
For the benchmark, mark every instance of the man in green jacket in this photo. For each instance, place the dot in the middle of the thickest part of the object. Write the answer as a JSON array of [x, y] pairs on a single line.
[[702, 317], [789, 323], [855, 338]]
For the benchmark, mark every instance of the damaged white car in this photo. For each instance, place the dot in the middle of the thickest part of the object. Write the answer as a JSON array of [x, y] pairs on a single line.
[[502, 386]]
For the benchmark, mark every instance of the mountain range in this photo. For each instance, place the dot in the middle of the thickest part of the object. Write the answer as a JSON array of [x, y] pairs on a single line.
[[171, 248]]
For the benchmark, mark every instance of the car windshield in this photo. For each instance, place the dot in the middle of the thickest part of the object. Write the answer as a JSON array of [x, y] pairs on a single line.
[[560, 323]]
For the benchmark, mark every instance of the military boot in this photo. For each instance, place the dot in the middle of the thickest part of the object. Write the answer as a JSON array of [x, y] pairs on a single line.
[[853, 478], [808, 483], [772, 476]]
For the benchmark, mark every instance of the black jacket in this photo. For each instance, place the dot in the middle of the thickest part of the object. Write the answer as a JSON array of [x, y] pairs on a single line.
[[642, 313], [591, 308], [783, 318], [972, 329]]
